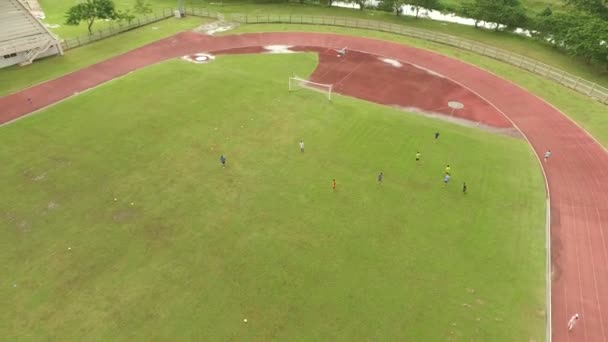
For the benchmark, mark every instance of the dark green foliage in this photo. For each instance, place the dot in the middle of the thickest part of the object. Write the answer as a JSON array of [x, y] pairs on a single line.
[[91, 10], [361, 3], [502, 12], [393, 6], [126, 16], [546, 12], [142, 7], [593, 7], [428, 4], [578, 33]]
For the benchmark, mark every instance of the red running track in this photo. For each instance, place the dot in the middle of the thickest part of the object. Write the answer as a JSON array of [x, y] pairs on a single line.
[[577, 173], [398, 83]]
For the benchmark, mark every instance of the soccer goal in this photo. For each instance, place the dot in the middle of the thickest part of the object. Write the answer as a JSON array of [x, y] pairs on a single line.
[[296, 83]]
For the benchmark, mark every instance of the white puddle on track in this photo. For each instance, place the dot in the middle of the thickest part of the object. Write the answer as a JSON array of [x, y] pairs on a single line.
[[392, 62], [279, 49]]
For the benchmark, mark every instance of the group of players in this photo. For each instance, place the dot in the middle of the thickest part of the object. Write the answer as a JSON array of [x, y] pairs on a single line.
[[446, 178]]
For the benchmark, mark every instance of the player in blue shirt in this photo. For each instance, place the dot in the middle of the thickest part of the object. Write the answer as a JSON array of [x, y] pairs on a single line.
[[446, 180]]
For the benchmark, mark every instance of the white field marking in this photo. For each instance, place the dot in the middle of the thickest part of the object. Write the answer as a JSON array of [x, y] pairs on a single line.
[[279, 48], [392, 62], [429, 71], [215, 27], [199, 58], [211, 32]]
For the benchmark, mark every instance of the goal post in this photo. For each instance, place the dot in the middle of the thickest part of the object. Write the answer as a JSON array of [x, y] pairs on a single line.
[[296, 83]]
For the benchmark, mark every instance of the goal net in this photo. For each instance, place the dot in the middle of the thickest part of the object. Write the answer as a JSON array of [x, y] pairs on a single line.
[[296, 83]]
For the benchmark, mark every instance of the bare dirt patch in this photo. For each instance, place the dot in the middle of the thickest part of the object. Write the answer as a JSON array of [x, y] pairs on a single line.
[[123, 215], [215, 27], [33, 175]]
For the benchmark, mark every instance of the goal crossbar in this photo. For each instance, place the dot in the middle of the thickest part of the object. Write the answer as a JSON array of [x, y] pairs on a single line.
[[297, 82]]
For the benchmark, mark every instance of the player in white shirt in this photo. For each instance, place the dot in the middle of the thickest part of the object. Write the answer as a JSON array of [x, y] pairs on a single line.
[[572, 322], [301, 145]]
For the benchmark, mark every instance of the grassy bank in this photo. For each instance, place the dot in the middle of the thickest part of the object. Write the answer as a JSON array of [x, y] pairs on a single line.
[[15, 78]]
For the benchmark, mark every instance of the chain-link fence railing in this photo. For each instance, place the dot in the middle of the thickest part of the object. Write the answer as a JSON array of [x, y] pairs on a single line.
[[115, 28]]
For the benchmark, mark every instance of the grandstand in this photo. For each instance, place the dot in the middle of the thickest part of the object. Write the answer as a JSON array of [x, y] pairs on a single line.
[[22, 37]]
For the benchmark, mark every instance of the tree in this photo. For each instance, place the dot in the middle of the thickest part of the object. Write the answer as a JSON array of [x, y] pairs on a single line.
[[469, 9], [546, 12], [500, 12], [126, 16], [594, 7], [394, 6], [142, 7], [426, 4], [578, 34], [91, 10], [361, 3]]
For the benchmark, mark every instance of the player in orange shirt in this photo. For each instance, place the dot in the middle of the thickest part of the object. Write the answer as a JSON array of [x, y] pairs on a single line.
[[333, 185]]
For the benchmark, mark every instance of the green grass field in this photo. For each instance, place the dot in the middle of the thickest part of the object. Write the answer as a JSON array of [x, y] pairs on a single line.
[[189, 249]]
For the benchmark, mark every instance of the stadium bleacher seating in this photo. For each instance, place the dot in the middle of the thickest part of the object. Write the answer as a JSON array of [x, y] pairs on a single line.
[[22, 37]]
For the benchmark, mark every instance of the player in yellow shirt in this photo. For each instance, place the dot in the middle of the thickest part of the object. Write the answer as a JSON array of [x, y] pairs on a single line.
[[448, 169], [418, 156]]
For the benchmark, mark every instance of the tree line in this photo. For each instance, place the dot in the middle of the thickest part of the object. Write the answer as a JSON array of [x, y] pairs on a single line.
[[581, 30]]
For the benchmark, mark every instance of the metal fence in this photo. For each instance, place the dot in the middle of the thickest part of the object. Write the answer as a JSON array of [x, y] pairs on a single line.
[[564, 78], [116, 28]]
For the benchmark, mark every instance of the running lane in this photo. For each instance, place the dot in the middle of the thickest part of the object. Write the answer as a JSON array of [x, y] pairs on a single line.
[[576, 173]]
